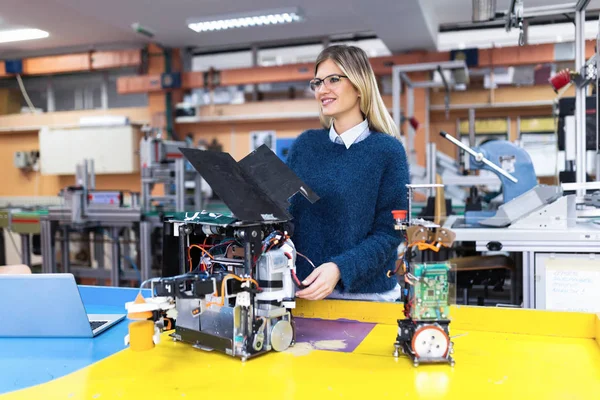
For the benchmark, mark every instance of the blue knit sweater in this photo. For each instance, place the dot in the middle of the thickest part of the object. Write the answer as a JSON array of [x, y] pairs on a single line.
[[351, 225]]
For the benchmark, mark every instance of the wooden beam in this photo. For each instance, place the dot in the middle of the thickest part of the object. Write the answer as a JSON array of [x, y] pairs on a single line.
[[56, 64], [116, 59], [500, 56], [139, 84], [78, 62]]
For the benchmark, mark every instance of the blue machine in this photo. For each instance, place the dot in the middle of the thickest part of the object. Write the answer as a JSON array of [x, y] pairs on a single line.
[[510, 163]]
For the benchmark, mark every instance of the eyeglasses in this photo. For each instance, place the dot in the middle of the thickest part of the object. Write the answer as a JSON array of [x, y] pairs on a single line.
[[330, 81]]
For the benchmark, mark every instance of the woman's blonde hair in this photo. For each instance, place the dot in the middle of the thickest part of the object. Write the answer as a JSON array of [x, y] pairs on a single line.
[[354, 63]]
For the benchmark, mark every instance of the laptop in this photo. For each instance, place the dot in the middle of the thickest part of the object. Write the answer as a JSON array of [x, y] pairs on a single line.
[[48, 305]]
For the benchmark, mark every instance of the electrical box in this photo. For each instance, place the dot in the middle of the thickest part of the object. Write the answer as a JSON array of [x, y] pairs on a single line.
[[113, 149], [26, 159], [170, 80]]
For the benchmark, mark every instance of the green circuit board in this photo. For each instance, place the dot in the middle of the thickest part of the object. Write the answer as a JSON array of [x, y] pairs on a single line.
[[429, 296]]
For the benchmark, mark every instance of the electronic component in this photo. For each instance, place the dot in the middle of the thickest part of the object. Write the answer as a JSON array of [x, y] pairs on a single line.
[[423, 334], [230, 280]]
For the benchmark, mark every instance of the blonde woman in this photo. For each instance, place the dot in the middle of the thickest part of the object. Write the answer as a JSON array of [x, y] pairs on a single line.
[[358, 167]]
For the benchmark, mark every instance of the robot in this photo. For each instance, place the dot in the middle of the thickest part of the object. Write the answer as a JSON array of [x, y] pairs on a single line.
[[229, 280], [423, 333]]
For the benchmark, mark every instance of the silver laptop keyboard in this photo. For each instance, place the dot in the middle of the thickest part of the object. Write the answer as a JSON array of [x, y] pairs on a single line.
[[97, 324]]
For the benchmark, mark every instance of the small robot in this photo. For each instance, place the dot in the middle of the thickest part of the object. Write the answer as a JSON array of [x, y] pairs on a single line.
[[423, 334], [229, 280]]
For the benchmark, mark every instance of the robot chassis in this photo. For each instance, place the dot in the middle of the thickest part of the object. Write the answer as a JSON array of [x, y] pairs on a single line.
[[423, 335], [232, 286], [237, 299]]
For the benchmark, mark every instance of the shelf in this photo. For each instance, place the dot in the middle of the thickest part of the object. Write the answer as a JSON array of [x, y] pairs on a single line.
[[247, 117]]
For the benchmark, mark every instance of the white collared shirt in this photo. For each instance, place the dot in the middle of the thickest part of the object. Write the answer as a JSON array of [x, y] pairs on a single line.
[[353, 135]]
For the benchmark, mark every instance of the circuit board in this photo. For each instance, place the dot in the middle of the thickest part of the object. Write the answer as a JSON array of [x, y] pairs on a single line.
[[429, 294]]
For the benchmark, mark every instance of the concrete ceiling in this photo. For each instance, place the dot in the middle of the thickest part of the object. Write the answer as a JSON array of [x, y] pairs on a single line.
[[448, 12], [76, 25], [88, 24]]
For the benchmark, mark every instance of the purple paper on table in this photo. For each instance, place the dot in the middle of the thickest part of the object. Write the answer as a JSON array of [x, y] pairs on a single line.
[[322, 333]]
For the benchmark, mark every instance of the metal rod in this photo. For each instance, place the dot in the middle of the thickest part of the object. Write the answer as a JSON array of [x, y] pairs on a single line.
[[409, 214], [582, 5], [50, 99], [26, 249], [542, 11], [247, 257], [427, 116], [115, 270], [99, 248], [472, 127], [541, 103], [479, 157], [66, 262], [104, 92], [182, 247], [92, 172], [597, 61], [432, 66], [580, 100], [3, 248], [396, 92], [198, 199], [145, 250], [180, 184], [410, 109]]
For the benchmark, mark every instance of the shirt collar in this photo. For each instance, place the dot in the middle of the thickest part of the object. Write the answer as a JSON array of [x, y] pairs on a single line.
[[350, 136]]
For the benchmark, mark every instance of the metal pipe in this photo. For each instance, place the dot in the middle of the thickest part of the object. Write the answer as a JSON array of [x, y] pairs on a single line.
[[180, 184], [543, 11], [396, 92], [597, 61], [410, 109], [198, 199], [145, 250], [581, 5], [247, 257], [115, 268], [66, 262], [580, 100], [182, 247], [540, 103], [427, 116], [104, 92], [483, 10], [92, 172], [26, 249], [472, 127], [99, 248]]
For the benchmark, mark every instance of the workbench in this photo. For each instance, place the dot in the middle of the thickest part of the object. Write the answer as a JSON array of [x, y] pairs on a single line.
[[582, 238], [343, 350]]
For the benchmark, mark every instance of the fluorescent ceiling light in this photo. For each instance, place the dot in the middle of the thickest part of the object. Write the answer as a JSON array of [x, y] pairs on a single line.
[[18, 35], [257, 18]]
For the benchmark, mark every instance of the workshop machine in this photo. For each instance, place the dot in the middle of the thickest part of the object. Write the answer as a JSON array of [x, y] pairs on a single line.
[[161, 163], [229, 281], [525, 203], [428, 290]]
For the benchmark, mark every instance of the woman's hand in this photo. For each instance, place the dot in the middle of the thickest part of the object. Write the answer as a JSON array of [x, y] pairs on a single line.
[[320, 282]]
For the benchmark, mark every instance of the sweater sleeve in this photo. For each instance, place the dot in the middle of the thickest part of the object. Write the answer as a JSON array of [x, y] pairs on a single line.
[[371, 256]]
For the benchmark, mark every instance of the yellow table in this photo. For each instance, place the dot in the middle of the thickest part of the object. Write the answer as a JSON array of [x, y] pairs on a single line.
[[500, 354]]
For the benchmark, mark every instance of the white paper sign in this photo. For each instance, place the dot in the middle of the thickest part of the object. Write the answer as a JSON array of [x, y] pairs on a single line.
[[258, 138], [573, 285]]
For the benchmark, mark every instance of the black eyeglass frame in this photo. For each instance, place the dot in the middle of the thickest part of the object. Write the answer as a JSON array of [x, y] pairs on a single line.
[[317, 82]]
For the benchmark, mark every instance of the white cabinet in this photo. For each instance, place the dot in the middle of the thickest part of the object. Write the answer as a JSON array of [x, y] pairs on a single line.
[[113, 149]]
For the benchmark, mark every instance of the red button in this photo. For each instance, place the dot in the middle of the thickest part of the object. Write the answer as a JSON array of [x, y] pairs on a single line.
[[399, 214]]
